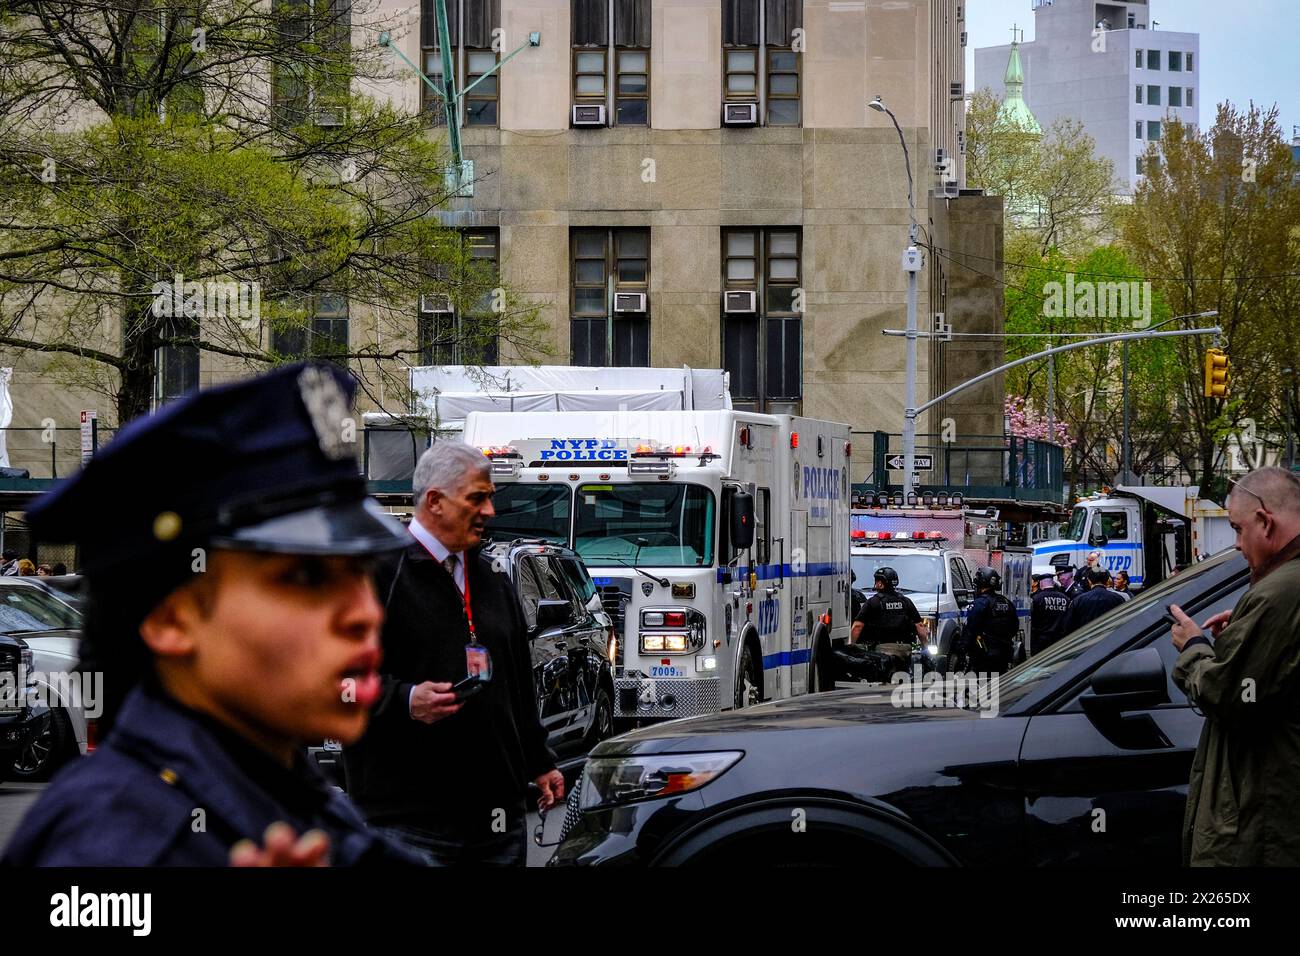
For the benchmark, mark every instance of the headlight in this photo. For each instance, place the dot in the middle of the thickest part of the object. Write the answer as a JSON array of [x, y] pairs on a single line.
[[932, 649], [609, 781], [664, 642]]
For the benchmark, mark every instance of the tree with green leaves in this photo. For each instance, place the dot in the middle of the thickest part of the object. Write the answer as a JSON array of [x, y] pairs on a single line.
[[1214, 222], [1056, 189], [150, 143]]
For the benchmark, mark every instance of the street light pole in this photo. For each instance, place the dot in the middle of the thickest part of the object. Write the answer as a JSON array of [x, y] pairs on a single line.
[[912, 265]]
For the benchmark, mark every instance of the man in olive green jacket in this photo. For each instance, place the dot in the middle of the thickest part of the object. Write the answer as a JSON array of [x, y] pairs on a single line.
[[1243, 801]]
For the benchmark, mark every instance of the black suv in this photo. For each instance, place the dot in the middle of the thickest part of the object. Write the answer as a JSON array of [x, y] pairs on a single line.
[[1083, 758], [19, 723], [569, 635]]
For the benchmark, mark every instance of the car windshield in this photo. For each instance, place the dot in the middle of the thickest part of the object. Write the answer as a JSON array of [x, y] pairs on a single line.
[[919, 573], [670, 525], [530, 511], [1021, 680], [27, 608], [1077, 519]]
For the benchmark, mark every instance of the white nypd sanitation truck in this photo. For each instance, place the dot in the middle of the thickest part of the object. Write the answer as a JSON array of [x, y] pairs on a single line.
[[719, 541]]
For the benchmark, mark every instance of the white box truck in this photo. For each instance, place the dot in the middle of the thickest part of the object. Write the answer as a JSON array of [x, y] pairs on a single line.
[[719, 540], [1146, 531]]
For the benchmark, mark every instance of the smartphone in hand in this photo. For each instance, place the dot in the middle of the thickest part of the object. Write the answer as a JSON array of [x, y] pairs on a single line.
[[471, 685]]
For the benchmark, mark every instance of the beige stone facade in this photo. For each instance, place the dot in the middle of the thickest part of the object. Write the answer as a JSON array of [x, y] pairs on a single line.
[[839, 178]]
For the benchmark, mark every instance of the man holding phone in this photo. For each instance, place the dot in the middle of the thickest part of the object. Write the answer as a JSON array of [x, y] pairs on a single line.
[[1245, 678], [455, 737]]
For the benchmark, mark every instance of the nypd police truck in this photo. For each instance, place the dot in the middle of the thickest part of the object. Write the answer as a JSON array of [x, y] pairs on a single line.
[[719, 540]]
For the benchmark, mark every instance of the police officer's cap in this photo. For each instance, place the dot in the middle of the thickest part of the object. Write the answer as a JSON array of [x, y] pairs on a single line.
[[1044, 573], [263, 464]]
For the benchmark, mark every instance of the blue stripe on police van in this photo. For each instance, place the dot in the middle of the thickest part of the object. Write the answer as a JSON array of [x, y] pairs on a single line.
[[1077, 545], [769, 572], [787, 659]]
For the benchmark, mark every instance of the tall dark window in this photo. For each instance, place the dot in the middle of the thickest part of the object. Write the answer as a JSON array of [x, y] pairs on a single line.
[[471, 56], [628, 58], [762, 349], [769, 44], [466, 335], [323, 335], [178, 365], [312, 88], [609, 301]]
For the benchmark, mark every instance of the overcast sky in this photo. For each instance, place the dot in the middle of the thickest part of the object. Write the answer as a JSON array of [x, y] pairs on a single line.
[[1252, 53]]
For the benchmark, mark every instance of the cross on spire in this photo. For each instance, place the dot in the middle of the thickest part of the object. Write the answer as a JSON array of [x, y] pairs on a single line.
[[1016, 34]]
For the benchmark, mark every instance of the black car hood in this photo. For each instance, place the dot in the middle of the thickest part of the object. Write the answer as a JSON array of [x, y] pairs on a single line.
[[848, 710]]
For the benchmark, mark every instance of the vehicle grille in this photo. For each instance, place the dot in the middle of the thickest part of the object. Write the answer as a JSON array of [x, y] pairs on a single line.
[[572, 810], [11, 697]]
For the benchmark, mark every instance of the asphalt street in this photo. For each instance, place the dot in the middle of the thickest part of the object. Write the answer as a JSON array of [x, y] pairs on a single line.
[[15, 798]]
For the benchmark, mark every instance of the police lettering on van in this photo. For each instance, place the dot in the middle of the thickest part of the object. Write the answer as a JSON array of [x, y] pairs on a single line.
[[583, 449]]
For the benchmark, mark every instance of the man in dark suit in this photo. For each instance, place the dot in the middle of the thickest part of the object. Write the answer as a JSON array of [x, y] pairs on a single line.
[[449, 776]]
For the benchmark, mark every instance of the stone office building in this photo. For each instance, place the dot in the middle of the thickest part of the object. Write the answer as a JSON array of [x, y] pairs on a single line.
[[701, 182]]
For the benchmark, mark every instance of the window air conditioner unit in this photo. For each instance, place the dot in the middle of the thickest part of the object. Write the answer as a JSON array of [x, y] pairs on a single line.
[[434, 303], [942, 330], [740, 114], [741, 302], [629, 301], [589, 115]]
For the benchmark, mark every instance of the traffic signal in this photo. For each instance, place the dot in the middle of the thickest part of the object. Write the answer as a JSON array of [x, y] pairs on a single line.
[[1216, 373]]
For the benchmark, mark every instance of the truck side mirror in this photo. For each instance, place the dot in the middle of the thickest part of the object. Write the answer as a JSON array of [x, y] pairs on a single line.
[[742, 520]]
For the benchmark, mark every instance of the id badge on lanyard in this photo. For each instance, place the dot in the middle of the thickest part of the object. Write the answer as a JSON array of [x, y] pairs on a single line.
[[478, 662]]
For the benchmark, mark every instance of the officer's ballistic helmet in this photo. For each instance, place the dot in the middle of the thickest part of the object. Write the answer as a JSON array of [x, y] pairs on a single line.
[[987, 577], [888, 575], [264, 464]]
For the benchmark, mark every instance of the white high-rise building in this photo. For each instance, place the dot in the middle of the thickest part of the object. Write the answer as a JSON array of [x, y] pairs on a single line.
[[1107, 65]]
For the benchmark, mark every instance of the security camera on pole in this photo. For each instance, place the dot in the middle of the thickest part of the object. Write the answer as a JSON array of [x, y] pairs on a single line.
[[913, 262]]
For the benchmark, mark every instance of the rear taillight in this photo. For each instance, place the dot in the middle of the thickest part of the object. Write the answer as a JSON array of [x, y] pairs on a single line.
[[92, 735]]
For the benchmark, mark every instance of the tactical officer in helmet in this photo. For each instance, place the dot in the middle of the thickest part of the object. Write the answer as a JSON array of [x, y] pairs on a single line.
[[991, 624], [254, 633], [889, 618]]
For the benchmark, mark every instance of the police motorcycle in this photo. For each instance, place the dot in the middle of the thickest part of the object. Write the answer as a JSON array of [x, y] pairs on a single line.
[[858, 662]]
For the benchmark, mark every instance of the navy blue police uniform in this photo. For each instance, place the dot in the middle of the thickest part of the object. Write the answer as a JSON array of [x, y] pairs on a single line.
[[888, 617], [992, 624], [1089, 606], [1048, 608], [259, 465]]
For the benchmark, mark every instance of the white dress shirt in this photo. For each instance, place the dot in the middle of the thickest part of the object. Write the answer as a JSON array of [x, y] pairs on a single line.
[[440, 551]]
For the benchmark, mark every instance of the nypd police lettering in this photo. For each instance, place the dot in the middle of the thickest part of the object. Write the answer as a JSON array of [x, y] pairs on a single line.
[[583, 449]]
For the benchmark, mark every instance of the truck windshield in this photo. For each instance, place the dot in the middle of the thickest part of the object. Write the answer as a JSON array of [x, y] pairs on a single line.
[[675, 522], [530, 511], [1078, 518], [921, 573]]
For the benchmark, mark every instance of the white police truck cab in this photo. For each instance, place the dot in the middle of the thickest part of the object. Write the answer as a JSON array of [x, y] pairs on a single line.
[[1145, 531], [719, 541]]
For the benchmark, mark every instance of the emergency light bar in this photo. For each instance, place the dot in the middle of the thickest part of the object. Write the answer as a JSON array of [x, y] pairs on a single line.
[[860, 535], [672, 451], [505, 459]]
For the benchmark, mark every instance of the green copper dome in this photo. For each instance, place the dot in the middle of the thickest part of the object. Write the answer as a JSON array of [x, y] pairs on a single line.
[[1014, 108]]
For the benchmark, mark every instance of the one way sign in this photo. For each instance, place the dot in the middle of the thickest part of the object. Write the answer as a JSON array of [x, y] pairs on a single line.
[[922, 462]]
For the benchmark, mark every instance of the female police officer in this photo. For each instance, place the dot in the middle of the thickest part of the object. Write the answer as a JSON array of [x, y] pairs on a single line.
[[253, 629]]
